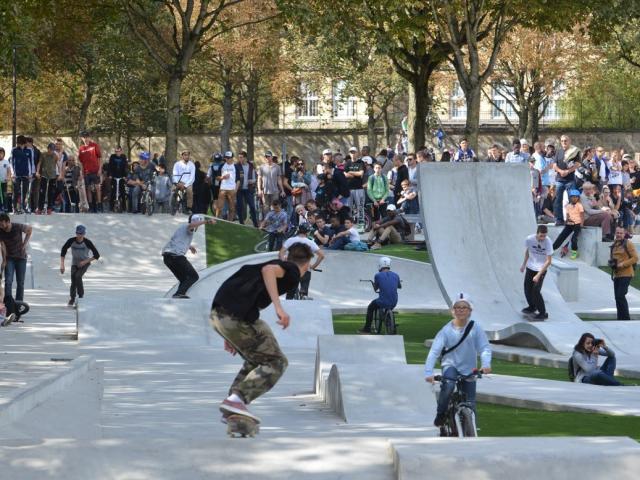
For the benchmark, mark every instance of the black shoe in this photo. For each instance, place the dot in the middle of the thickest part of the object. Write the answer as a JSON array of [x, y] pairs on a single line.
[[71, 302], [439, 420], [362, 331], [180, 295], [541, 316], [528, 310]]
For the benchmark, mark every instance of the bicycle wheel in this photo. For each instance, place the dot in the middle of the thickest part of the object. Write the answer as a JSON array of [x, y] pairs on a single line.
[[389, 322], [376, 323], [149, 204], [174, 204], [467, 422]]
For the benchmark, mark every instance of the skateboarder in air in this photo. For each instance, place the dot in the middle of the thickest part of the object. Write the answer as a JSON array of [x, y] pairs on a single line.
[[174, 254], [235, 316], [537, 260], [80, 247]]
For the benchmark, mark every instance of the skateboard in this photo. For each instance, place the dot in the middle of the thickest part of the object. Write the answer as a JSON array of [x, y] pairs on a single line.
[[242, 426]]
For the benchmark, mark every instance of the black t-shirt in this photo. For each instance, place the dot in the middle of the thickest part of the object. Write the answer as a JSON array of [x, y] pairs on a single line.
[[13, 240], [355, 183], [244, 293], [548, 204]]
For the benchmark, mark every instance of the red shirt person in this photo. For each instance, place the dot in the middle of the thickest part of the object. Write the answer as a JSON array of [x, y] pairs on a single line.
[[90, 157]]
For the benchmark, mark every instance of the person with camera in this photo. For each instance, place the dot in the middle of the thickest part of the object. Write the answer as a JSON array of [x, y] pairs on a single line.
[[622, 262], [585, 362]]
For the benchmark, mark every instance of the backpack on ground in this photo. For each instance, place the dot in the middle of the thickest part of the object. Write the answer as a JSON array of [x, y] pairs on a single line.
[[405, 227], [356, 247], [571, 370]]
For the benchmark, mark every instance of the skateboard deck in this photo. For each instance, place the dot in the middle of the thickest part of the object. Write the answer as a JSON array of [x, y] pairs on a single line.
[[241, 426]]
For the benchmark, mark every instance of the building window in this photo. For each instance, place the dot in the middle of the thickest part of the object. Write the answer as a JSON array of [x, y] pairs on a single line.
[[343, 107], [457, 102], [552, 112], [501, 94], [308, 107]]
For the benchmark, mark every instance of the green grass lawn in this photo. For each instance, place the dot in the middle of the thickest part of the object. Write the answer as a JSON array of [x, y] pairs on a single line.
[[635, 282], [497, 420], [226, 241], [403, 251]]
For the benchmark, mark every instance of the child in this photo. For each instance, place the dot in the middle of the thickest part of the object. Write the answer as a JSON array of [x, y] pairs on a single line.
[[573, 224], [275, 224], [348, 235], [408, 201], [162, 189]]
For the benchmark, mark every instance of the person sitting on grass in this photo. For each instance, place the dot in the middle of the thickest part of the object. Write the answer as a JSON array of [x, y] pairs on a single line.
[[388, 230], [573, 225], [342, 239], [585, 362], [275, 224]]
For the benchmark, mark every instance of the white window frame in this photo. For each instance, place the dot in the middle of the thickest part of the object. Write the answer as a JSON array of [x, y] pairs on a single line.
[[499, 94], [309, 107], [344, 108], [457, 103], [552, 112]]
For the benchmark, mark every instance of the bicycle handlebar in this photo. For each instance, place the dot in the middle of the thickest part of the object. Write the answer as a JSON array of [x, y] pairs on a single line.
[[474, 374], [317, 269]]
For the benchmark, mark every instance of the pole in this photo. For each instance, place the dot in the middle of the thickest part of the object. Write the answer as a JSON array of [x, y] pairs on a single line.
[[15, 98]]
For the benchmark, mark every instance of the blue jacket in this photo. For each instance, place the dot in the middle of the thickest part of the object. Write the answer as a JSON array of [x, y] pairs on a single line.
[[22, 163]]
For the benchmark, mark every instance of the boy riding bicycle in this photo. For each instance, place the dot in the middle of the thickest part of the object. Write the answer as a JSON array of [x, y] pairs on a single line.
[[386, 283], [458, 345]]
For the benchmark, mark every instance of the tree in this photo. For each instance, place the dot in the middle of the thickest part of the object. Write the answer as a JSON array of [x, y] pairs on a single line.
[[174, 31]]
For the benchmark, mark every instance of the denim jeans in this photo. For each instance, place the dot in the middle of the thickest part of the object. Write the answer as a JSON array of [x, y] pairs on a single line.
[[449, 376], [604, 375], [620, 289], [246, 198], [19, 267], [557, 202]]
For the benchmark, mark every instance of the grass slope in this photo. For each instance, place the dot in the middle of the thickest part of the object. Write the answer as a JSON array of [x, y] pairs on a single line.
[[403, 251], [226, 241]]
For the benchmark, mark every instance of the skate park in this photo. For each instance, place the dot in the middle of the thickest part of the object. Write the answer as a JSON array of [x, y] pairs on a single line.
[[127, 385]]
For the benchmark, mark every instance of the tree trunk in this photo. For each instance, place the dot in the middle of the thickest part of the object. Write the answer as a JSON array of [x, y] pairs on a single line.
[[419, 102], [532, 132], [174, 86], [86, 101], [523, 119], [472, 123], [252, 114], [386, 127], [371, 125], [227, 116]]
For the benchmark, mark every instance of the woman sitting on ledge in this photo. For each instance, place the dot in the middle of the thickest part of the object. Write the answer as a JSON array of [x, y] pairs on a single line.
[[585, 362]]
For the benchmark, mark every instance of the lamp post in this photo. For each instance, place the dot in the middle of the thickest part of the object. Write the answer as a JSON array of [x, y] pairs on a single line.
[[150, 134], [15, 96]]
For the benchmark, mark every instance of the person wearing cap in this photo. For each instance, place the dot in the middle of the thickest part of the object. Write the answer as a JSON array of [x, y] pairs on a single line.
[[386, 284], [47, 170], [83, 252], [213, 178], [184, 175], [140, 179], [573, 224], [301, 237], [175, 251], [537, 260], [515, 155], [269, 182], [90, 156], [228, 188], [389, 229], [461, 360]]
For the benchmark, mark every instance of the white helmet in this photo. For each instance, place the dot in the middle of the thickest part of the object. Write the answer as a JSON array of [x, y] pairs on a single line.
[[384, 262]]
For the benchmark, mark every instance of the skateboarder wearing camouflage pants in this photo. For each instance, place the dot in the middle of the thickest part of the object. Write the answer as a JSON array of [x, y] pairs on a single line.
[[235, 316]]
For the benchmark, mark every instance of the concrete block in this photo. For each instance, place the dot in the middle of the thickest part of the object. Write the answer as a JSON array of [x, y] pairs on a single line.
[[567, 279], [589, 242]]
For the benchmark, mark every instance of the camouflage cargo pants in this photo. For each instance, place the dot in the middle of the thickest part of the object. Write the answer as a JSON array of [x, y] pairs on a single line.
[[264, 362]]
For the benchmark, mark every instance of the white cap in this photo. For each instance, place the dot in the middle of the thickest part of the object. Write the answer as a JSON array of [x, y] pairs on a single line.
[[197, 218], [523, 141], [327, 151], [367, 159], [353, 149], [228, 154], [391, 208], [462, 297]]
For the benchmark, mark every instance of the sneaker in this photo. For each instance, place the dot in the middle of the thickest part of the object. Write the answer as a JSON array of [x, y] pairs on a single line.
[[362, 331], [564, 251], [574, 254], [8, 320], [528, 310], [541, 316], [180, 295], [376, 246], [71, 302], [439, 420], [237, 408]]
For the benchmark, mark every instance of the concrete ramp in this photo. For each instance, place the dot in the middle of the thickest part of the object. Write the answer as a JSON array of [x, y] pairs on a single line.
[[339, 282], [139, 318], [309, 319], [522, 458]]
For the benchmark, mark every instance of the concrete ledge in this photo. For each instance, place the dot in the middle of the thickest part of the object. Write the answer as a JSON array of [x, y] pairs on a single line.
[[38, 391], [567, 279], [309, 319], [522, 458], [589, 242]]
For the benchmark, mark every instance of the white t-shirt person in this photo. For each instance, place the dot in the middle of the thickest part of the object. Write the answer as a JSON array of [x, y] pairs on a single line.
[[228, 183], [538, 252], [297, 239]]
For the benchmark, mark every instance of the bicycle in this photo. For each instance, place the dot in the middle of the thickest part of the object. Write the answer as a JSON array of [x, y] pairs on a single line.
[[178, 197], [147, 201], [298, 295], [460, 419], [117, 202], [382, 317]]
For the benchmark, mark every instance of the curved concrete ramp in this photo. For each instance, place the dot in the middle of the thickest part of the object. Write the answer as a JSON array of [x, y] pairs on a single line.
[[309, 319], [339, 282], [140, 319]]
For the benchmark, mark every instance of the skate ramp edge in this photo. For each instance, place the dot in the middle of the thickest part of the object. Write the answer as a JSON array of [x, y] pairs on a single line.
[[309, 319], [522, 458], [19, 401], [141, 319]]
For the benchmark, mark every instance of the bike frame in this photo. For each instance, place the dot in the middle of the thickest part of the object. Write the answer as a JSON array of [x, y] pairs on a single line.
[[457, 403]]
